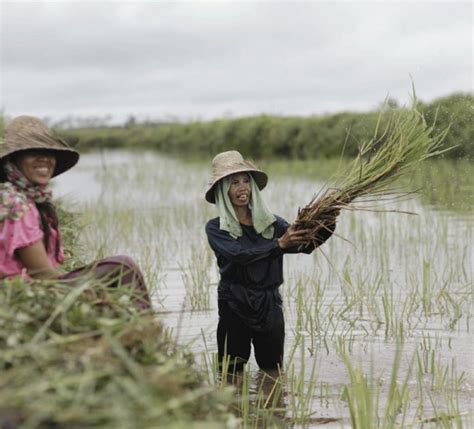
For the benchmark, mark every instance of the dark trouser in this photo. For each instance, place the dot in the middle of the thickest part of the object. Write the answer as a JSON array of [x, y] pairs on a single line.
[[126, 272], [234, 339]]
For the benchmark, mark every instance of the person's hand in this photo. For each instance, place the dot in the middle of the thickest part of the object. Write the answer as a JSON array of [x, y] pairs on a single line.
[[293, 237]]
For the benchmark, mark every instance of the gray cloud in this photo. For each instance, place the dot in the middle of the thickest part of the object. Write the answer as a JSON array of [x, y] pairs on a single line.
[[197, 59]]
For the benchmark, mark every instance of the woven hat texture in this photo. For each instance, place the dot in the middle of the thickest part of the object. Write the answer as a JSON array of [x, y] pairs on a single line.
[[232, 162], [27, 132]]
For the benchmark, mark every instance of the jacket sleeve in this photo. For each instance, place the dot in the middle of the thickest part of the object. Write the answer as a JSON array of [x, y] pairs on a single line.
[[224, 245]]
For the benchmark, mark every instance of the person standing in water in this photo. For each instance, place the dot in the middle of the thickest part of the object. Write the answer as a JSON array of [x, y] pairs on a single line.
[[249, 243]]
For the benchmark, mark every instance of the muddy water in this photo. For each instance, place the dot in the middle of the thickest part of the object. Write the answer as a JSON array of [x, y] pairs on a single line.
[[158, 206]]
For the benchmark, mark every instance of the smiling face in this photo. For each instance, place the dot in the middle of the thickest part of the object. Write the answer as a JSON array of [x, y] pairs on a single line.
[[36, 165], [240, 190]]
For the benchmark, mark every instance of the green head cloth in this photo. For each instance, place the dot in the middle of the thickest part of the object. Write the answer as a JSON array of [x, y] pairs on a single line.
[[262, 217]]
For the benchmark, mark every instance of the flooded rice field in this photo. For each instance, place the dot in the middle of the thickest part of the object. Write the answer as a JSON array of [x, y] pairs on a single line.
[[377, 319]]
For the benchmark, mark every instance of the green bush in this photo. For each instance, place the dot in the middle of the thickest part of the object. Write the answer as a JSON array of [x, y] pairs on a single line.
[[265, 136]]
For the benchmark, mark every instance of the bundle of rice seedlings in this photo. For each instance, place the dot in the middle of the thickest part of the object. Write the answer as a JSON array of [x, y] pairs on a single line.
[[405, 141], [81, 356], [39, 310]]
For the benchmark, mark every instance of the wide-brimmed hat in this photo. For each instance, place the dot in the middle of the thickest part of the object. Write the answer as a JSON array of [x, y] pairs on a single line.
[[231, 162], [27, 132]]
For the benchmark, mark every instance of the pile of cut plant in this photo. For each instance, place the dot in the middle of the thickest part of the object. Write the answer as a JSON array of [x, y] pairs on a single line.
[[78, 356], [401, 144]]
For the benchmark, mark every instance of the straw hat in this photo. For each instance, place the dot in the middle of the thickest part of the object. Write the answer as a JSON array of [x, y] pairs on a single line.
[[28, 132], [230, 162]]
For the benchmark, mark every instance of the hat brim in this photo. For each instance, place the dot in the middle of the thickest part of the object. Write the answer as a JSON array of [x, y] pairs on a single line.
[[28, 133], [261, 180], [66, 158]]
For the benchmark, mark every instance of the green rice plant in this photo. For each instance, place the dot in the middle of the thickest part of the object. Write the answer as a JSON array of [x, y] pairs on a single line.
[[258, 397], [266, 394], [450, 417], [398, 314], [439, 385], [452, 305], [301, 384], [316, 317], [442, 376], [430, 342], [426, 282], [406, 141], [363, 395], [196, 278]]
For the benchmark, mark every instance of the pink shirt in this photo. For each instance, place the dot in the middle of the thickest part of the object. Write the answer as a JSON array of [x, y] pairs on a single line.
[[15, 234]]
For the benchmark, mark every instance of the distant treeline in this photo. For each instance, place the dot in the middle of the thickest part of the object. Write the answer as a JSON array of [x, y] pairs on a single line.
[[277, 136]]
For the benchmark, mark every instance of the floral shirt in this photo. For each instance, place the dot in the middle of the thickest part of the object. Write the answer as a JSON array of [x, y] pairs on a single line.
[[21, 231]]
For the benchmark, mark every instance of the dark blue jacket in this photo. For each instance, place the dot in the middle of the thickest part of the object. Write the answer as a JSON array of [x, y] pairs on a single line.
[[251, 269]]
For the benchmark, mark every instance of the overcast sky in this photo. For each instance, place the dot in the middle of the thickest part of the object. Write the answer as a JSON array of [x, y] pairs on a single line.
[[203, 60]]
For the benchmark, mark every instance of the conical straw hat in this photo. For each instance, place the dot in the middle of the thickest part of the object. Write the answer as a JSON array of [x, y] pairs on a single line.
[[231, 162], [28, 132]]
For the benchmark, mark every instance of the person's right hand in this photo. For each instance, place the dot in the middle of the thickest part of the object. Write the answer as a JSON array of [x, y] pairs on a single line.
[[293, 237]]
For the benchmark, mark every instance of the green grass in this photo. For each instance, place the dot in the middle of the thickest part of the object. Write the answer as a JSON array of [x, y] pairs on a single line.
[[82, 356]]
